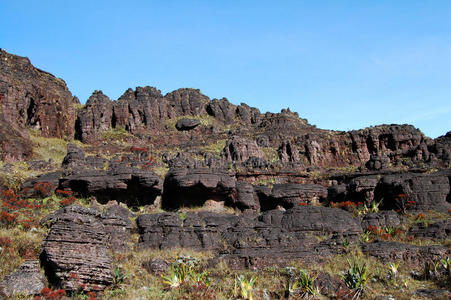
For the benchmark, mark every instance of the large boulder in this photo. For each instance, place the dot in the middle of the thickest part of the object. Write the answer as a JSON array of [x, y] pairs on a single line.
[[28, 280], [75, 252], [187, 124], [382, 219], [439, 230]]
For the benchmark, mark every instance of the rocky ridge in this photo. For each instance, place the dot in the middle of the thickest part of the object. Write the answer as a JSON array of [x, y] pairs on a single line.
[[253, 189]]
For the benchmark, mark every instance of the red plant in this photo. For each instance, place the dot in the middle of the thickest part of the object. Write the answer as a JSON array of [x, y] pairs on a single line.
[[345, 204], [402, 203], [48, 293], [303, 203], [15, 210], [43, 189], [68, 201], [63, 192]]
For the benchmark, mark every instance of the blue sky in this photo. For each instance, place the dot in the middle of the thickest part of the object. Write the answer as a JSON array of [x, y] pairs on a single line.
[[341, 64]]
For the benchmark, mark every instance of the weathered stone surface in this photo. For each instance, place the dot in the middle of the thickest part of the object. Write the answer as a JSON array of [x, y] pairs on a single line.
[[314, 219], [246, 199], [241, 149], [187, 124], [381, 219], [415, 255], [30, 97], [132, 186], [377, 163], [250, 240], [222, 110], [429, 191], [361, 189], [95, 118], [74, 158], [14, 143], [192, 187], [118, 227], [156, 266], [75, 254], [26, 281], [288, 152], [439, 230], [290, 195]]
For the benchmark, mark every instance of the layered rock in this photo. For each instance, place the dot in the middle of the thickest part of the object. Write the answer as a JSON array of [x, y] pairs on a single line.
[[95, 118], [75, 254], [425, 191], [412, 254], [290, 195], [383, 219], [135, 187], [272, 237], [241, 149], [192, 187], [30, 97], [438, 230], [26, 281]]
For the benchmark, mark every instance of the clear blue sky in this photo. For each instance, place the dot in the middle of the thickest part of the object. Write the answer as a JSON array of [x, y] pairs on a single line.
[[340, 64]]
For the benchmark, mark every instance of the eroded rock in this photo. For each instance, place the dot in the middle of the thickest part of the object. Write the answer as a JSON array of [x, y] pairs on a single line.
[[75, 253], [28, 280]]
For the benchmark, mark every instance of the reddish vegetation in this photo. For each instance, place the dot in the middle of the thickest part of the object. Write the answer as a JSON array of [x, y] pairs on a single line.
[[43, 189], [16, 211], [63, 192], [68, 201], [346, 204], [48, 293], [387, 233]]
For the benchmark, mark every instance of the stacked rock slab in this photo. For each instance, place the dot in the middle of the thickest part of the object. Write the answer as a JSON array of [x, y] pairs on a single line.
[[274, 236], [129, 185], [75, 253]]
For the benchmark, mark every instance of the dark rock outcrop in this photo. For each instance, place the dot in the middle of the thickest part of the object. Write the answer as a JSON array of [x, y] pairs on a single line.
[[75, 254], [30, 97], [187, 124], [427, 191], [26, 281], [95, 118], [412, 254], [241, 149], [42, 186], [272, 237], [135, 187], [383, 219], [438, 230], [192, 187], [290, 195]]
